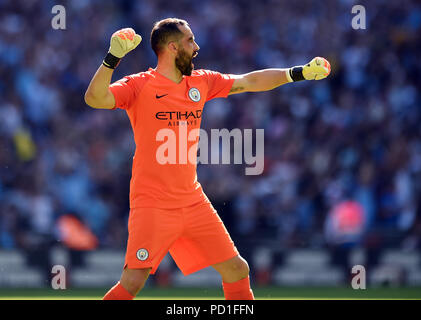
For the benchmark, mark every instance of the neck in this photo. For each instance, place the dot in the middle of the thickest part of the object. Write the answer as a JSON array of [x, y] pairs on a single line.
[[168, 69]]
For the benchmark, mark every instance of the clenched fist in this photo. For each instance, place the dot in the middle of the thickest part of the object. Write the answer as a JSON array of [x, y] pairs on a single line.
[[318, 68], [122, 42]]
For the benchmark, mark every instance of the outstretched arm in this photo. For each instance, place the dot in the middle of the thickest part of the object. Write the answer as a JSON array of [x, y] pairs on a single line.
[[268, 79]]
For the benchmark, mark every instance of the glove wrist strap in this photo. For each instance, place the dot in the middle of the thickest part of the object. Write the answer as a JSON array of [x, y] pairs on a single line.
[[296, 74], [111, 61]]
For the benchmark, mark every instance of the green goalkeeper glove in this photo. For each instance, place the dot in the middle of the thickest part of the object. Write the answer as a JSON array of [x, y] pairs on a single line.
[[122, 42], [316, 69]]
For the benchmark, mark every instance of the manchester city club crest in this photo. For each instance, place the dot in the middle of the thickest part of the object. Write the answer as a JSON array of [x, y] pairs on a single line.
[[142, 254], [194, 94]]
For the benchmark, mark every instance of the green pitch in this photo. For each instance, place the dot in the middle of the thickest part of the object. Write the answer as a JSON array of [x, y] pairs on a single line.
[[267, 293]]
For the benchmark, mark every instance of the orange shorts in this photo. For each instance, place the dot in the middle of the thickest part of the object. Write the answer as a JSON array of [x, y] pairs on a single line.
[[195, 236]]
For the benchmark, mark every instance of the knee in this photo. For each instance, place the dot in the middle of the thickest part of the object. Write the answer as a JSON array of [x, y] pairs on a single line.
[[236, 269], [133, 280], [241, 267]]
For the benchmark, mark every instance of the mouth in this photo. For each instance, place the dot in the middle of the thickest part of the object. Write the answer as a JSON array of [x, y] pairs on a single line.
[[193, 56]]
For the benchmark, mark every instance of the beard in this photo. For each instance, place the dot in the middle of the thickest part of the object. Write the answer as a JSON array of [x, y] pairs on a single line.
[[183, 62]]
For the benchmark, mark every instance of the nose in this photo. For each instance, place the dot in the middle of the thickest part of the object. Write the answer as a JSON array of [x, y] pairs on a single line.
[[196, 47]]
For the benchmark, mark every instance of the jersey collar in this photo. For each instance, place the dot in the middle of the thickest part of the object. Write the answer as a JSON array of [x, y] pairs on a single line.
[[156, 73]]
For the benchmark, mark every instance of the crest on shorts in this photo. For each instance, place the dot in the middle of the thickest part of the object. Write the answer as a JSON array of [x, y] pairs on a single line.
[[142, 254], [194, 94]]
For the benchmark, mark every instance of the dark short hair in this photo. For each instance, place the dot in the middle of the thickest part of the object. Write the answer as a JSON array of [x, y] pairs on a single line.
[[164, 31]]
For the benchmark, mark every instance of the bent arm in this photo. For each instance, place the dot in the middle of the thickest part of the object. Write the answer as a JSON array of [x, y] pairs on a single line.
[[261, 80], [98, 95]]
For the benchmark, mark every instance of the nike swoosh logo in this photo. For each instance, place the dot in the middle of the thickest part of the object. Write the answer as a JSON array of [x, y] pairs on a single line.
[[159, 97]]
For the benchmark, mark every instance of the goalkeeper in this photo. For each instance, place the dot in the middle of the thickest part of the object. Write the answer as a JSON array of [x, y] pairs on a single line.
[[169, 211]]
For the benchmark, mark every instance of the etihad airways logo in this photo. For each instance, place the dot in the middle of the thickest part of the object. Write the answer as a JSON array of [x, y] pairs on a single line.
[[178, 115]]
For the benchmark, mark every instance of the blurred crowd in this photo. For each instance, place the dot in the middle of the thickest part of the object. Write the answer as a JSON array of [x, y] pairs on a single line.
[[350, 142]]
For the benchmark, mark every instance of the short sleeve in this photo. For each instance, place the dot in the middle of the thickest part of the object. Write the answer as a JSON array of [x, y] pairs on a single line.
[[126, 90], [219, 85]]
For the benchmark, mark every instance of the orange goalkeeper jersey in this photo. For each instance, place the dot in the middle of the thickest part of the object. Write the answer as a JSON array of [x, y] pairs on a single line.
[[163, 114]]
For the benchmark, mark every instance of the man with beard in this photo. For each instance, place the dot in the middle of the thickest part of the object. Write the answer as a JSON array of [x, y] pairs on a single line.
[[169, 212]]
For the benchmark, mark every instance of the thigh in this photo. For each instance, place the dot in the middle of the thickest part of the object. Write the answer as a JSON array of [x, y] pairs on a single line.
[[205, 240], [151, 233]]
